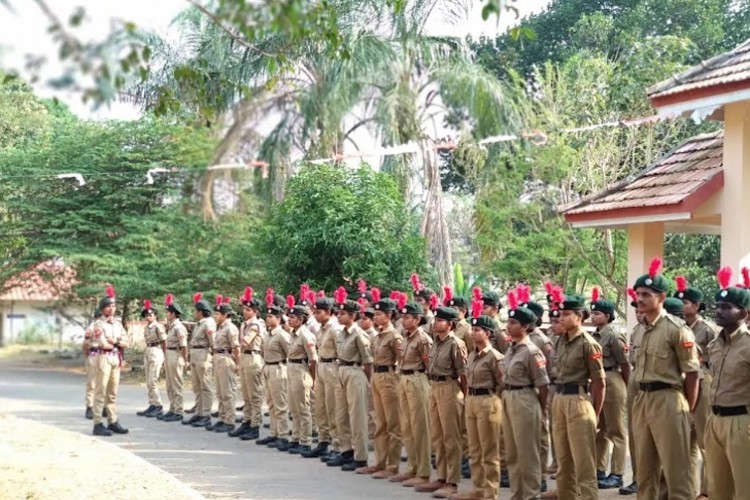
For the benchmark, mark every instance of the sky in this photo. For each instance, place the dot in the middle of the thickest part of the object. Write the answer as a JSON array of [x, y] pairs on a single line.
[[24, 31]]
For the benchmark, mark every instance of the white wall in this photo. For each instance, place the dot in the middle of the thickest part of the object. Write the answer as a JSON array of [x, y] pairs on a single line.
[[34, 319]]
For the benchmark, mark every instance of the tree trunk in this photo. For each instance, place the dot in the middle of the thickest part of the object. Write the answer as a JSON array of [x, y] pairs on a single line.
[[434, 225]]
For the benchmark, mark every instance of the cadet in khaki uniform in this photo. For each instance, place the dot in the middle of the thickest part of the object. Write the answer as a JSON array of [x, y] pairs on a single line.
[[355, 371], [423, 297], [665, 352], [275, 351], [153, 359], [108, 340], [524, 403], [386, 347], [728, 428], [303, 358], [90, 360], [226, 358], [252, 331], [201, 376], [413, 395], [632, 391], [617, 370], [484, 408], [177, 358], [579, 365], [446, 371], [705, 332]]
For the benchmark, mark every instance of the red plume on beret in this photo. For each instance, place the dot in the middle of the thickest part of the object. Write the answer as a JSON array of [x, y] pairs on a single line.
[[218, 300], [110, 291], [362, 304], [512, 300], [595, 294], [681, 283], [558, 295], [147, 304], [724, 276], [290, 301], [746, 277], [401, 299], [476, 292], [548, 287], [226, 300], [434, 302], [654, 267], [361, 286], [523, 293], [394, 294], [269, 297], [476, 308], [321, 293], [340, 295], [415, 283], [633, 295], [197, 297], [448, 295], [169, 299], [311, 296], [375, 292], [248, 295]]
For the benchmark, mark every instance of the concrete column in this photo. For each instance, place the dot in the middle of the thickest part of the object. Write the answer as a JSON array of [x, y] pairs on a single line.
[[735, 224], [645, 241]]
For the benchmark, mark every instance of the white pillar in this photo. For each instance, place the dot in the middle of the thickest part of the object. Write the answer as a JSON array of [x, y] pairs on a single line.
[[735, 223], [645, 241]]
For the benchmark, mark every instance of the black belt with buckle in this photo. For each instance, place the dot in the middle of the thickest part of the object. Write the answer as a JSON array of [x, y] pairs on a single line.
[[411, 372], [569, 389], [480, 391], [199, 347], [610, 368], [729, 411], [153, 344], [327, 360], [253, 351], [298, 361], [349, 363], [441, 378], [518, 387], [271, 363], [654, 386], [222, 351], [382, 368]]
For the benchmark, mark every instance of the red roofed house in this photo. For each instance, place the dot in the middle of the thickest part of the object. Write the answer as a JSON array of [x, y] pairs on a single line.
[[33, 305], [703, 186]]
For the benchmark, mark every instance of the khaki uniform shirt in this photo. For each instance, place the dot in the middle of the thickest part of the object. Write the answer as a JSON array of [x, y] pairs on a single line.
[[664, 350], [415, 351], [251, 334], [302, 345], [525, 365], [614, 348], [578, 359], [484, 369], [371, 332], [704, 332], [500, 341], [386, 346], [447, 357], [110, 329], [227, 337], [176, 334], [463, 332], [203, 333], [276, 346], [154, 333], [429, 318], [326, 342], [729, 358], [544, 343], [354, 346]]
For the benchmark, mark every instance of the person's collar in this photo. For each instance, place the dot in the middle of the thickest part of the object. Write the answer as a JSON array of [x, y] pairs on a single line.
[[736, 333], [698, 319], [571, 336], [525, 340], [661, 315], [484, 350]]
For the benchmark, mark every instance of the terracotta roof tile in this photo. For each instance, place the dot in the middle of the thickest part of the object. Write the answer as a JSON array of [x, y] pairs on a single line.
[[730, 67], [47, 282], [670, 181]]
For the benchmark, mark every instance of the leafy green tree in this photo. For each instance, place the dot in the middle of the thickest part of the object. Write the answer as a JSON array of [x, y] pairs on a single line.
[[23, 116], [336, 226]]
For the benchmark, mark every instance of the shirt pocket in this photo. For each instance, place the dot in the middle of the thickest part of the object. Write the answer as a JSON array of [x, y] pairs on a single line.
[[606, 350]]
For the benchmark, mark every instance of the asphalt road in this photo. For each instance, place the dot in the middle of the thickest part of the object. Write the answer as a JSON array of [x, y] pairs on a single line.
[[213, 464]]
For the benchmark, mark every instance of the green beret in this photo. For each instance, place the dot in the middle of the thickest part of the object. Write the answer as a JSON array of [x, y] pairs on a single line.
[[175, 309], [484, 322], [691, 294], [253, 303], [224, 309], [148, 310], [385, 305], [491, 298], [425, 293], [412, 308], [275, 310], [535, 307], [674, 306], [299, 310], [740, 297], [573, 303], [203, 305], [348, 306], [446, 313], [459, 301], [369, 312], [523, 315], [106, 301], [658, 283], [324, 303], [603, 305]]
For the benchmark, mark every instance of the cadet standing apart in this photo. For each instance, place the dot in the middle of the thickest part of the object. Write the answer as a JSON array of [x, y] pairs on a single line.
[[226, 359], [177, 358], [201, 373], [90, 360], [153, 359]]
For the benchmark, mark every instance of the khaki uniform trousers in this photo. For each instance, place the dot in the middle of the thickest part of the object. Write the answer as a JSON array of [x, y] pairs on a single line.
[[351, 411], [90, 365], [387, 437], [484, 417], [612, 425], [446, 403], [251, 373], [153, 360], [105, 386], [697, 436], [632, 391], [574, 431], [226, 386], [553, 464], [201, 377], [175, 373], [325, 403], [728, 457], [300, 386], [413, 395], [522, 422], [276, 378], [662, 442]]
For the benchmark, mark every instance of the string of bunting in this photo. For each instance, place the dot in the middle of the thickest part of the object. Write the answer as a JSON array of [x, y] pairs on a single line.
[[535, 137]]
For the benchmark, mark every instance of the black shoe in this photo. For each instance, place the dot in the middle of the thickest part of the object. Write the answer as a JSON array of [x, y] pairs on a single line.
[[210, 427], [265, 440], [288, 445], [504, 481], [252, 433], [278, 442], [543, 488], [225, 428], [89, 413], [465, 469], [191, 410], [630, 489], [240, 430], [612, 481], [191, 420], [220, 427], [147, 410], [158, 410], [295, 450], [329, 456], [320, 449], [266, 426], [202, 422], [176, 417], [165, 415], [303, 448], [215, 414], [600, 475], [354, 465], [344, 458], [100, 430], [117, 428]]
